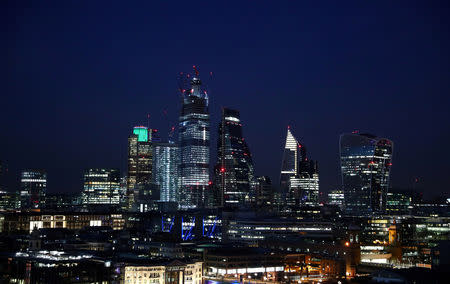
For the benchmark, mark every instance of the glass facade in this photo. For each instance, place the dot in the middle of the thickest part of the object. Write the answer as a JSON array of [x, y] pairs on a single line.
[[194, 127], [165, 170], [33, 188], [101, 186], [234, 169], [365, 167], [292, 155], [139, 163], [299, 181]]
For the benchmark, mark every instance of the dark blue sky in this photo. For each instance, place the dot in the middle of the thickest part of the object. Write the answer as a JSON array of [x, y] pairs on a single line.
[[77, 75]]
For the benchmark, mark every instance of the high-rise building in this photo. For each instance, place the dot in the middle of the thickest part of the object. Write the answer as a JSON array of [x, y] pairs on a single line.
[[234, 168], [292, 155], [101, 186], [33, 188], [194, 128], [165, 170], [139, 164], [299, 181], [309, 181], [365, 166]]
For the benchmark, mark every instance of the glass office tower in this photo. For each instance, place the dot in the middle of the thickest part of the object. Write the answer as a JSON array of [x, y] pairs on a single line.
[[194, 127], [101, 186], [165, 170], [292, 155], [365, 166], [234, 169], [139, 164], [33, 188]]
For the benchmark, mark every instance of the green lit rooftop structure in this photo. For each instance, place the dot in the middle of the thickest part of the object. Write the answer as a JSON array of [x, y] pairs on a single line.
[[141, 132]]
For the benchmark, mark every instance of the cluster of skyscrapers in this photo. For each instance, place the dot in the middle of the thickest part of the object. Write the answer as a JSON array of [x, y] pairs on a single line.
[[177, 174], [176, 216]]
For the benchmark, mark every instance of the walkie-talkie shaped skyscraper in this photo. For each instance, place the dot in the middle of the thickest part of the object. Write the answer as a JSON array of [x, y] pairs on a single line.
[[194, 145], [365, 165]]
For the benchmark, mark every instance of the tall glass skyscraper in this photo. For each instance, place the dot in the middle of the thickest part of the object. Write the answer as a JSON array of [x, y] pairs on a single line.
[[194, 127], [33, 188], [299, 181], [365, 166], [165, 170], [101, 186], [289, 164], [234, 169], [292, 155], [139, 163]]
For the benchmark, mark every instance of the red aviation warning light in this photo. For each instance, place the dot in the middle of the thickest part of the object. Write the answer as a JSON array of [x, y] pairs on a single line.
[[195, 70], [222, 169]]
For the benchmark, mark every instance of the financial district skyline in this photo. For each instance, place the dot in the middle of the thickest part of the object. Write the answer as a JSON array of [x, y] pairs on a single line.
[[182, 172]]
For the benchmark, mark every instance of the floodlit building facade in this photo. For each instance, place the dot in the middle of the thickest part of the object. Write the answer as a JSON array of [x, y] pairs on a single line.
[[234, 169], [174, 272], [194, 129], [101, 186], [33, 185], [365, 167]]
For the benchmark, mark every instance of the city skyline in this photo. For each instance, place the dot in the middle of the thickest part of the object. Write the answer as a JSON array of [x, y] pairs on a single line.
[[224, 142], [84, 115]]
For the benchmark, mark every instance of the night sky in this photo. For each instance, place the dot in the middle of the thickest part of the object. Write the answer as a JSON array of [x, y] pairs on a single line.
[[76, 76]]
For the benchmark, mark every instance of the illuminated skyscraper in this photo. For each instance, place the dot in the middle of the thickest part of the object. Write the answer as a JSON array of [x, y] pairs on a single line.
[[194, 146], [101, 186], [299, 180], [303, 188], [33, 188], [293, 154], [365, 166], [165, 170], [234, 169], [139, 163]]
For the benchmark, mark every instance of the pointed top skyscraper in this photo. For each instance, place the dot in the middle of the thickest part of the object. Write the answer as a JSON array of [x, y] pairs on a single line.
[[292, 156], [299, 180]]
